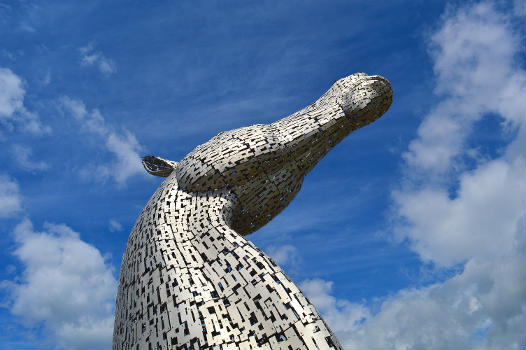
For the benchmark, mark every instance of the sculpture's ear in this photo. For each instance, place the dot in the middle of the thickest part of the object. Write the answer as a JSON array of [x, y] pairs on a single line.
[[158, 166]]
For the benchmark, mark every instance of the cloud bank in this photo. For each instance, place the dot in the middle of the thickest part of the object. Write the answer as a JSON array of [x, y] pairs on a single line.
[[66, 287]]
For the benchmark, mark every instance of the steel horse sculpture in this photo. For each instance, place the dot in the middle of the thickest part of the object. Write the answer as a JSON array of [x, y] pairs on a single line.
[[189, 278]]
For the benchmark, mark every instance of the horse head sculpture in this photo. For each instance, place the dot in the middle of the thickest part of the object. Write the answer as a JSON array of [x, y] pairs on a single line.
[[264, 165], [248, 176]]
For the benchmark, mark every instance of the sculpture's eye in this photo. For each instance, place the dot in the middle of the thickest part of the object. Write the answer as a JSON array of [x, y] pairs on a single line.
[[158, 166]]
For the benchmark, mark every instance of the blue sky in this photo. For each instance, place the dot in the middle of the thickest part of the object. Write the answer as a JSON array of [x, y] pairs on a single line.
[[409, 234]]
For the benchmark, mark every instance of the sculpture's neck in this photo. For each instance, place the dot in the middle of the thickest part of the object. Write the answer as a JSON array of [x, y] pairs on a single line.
[[187, 277], [182, 216], [181, 229]]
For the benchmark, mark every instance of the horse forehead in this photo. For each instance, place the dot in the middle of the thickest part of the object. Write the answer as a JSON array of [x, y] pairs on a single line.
[[250, 135], [231, 158], [236, 145]]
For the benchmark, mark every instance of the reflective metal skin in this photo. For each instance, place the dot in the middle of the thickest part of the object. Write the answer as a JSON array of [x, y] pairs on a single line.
[[189, 278]]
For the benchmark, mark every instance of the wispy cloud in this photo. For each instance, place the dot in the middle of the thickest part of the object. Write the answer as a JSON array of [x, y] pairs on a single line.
[[66, 287], [124, 146], [12, 93], [91, 57], [114, 226], [286, 254], [46, 78], [12, 109], [22, 155], [10, 198], [480, 226]]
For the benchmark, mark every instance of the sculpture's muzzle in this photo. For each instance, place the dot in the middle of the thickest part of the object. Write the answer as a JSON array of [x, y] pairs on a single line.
[[351, 103]]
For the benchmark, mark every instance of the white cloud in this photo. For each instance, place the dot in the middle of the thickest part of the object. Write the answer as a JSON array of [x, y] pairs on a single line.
[[115, 226], [481, 226], [89, 57], [342, 316], [479, 223], [22, 155], [76, 108], [481, 308], [10, 198], [474, 61], [11, 93], [12, 109], [124, 146], [284, 254], [474, 56], [66, 286]]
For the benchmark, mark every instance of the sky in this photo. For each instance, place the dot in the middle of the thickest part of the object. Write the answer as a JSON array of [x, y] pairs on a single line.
[[410, 234]]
